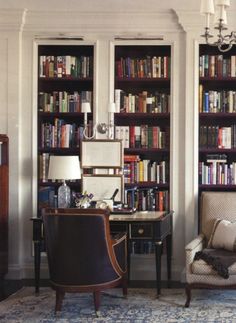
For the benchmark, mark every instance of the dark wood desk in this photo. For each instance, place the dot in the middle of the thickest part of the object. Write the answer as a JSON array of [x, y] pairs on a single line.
[[146, 226]]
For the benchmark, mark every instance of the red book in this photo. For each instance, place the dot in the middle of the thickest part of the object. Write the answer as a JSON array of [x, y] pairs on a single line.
[[132, 137], [161, 201]]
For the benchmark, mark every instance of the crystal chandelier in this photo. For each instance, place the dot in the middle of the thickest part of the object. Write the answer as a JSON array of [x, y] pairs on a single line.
[[224, 42]]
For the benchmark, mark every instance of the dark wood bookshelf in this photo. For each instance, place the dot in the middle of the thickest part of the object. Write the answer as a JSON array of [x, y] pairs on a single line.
[[63, 79], [130, 83], [218, 115], [143, 79], [4, 206], [69, 78], [217, 187], [217, 150], [59, 151], [218, 78], [57, 184], [145, 150]]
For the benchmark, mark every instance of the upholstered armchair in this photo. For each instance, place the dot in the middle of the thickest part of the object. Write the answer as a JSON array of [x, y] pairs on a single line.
[[199, 273], [82, 255]]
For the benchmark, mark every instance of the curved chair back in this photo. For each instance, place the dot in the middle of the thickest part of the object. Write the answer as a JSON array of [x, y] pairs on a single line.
[[79, 248]]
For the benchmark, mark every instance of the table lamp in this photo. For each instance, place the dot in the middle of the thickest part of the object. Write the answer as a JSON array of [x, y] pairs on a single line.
[[64, 168]]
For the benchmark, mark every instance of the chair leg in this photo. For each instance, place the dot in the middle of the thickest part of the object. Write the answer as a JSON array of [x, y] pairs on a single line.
[[188, 295], [59, 298], [124, 286], [97, 300]]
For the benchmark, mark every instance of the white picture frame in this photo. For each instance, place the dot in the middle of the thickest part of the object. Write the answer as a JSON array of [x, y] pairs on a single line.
[[104, 186], [102, 154]]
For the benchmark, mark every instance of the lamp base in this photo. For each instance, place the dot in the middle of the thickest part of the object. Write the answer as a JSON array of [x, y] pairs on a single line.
[[64, 196]]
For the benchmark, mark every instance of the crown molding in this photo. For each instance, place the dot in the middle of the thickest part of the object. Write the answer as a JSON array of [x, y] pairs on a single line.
[[76, 22], [12, 20], [193, 21]]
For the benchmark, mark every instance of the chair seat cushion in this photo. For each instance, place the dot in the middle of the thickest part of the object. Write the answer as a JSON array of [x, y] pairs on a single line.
[[200, 267]]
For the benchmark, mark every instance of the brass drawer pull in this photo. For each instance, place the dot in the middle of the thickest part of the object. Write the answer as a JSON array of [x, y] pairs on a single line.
[[140, 231]]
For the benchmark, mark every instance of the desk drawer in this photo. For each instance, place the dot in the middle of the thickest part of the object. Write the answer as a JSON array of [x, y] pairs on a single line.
[[141, 231]]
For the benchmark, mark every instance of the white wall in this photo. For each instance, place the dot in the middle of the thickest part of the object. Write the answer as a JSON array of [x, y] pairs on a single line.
[[99, 22]]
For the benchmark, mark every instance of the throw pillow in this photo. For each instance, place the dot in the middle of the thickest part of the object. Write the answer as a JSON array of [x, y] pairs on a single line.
[[223, 235]]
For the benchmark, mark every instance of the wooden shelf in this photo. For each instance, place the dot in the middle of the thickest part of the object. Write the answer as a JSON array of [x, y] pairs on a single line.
[[142, 79], [67, 79], [147, 184]]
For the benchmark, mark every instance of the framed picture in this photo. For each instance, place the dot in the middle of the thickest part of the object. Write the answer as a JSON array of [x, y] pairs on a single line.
[[101, 154], [103, 186]]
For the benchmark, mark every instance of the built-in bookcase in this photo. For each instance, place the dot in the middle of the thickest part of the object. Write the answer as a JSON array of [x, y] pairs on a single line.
[[65, 80], [4, 200], [217, 119], [142, 121]]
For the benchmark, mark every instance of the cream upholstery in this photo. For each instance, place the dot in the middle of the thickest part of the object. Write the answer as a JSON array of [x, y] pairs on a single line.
[[213, 205]]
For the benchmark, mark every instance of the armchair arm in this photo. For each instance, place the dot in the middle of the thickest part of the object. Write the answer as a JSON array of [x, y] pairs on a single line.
[[119, 245], [194, 246]]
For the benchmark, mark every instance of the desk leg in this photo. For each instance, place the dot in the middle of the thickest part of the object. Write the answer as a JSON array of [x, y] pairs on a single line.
[[37, 259], [158, 251], [169, 253], [128, 258]]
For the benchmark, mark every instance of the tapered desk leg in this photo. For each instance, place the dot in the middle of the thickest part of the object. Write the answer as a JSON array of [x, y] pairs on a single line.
[[128, 259], [158, 251], [37, 259], [169, 253]]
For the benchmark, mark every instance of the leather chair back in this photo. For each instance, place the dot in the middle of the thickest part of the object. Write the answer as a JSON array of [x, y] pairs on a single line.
[[78, 248]]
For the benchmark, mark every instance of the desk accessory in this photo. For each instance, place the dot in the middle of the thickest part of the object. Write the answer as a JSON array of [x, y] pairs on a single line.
[[64, 168]]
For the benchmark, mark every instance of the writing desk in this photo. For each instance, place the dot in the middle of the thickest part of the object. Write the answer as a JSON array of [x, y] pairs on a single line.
[[150, 226]]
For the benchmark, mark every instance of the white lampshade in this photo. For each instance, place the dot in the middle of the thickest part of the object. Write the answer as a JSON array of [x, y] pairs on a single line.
[[207, 7], [111, 107], [220, 14], [225, 3], [85, 107], [64, 167]]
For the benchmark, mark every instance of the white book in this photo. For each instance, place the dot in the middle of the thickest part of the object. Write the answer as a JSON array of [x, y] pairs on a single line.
[[117, 99], [126, 136], [233, 66]]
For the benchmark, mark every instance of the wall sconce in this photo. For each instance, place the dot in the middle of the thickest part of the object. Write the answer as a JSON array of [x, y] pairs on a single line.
[[224, 42], [103, 127], [86, 108], [64, 168]]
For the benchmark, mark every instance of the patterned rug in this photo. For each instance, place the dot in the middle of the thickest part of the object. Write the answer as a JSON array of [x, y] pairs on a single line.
[[140, 306]]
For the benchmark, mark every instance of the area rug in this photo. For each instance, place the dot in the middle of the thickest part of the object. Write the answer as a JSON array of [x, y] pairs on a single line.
[[140, 306]]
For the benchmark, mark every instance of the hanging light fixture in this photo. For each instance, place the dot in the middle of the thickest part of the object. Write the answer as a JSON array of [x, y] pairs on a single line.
[[224, 42]]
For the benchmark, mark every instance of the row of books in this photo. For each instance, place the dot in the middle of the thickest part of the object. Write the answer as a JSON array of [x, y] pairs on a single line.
[[65, 66], [217, 66], [145, 170], [146, 67], [62, 101], [143, 136], [145, 102], [216, 101], [61, 134], [217, 137], [217, 173], [147, 199]]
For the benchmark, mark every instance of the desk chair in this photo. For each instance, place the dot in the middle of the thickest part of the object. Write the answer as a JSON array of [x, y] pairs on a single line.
[[82, 255]]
